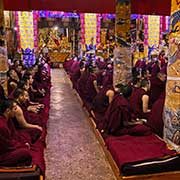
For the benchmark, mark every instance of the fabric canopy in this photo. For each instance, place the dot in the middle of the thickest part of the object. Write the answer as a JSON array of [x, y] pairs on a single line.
[[148, 7]]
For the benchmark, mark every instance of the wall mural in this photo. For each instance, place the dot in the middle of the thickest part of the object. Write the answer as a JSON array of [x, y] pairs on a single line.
[[172, 102]]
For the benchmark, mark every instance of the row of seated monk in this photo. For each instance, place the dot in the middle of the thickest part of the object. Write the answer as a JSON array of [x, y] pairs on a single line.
[[129, 117], [24, 114]]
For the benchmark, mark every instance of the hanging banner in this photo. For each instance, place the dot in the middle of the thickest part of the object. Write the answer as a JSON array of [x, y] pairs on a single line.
[[122, 51], [153, 30], [90, 28], [26, 29], [172, 102]]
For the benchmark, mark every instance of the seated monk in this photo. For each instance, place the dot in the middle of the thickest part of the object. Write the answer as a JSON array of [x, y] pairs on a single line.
[[2, 93], [155, 69], [103, 99], [12, 151], [91, 85], [13, 80], [82, 83], [100, 77], [108, 76], [75, 72], [30, 111], [101, 103], [118, 117], [158, 85], [139, 100], [155, 119], [33, 89]]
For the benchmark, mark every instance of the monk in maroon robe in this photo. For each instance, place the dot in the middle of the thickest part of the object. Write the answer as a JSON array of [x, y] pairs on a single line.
[[67, 64], [2, 94], [118, 117], [155, 120], [16, 146], [12, 80], [75, 73], [139, 100], [33, 113], [100, 77], [91, 85], [101, 103], [158, 85], [108, 78], [155, 69], [12, 151], [82, 83]]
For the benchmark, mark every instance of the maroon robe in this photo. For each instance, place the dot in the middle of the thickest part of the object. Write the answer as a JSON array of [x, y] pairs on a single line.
[[101, 101], [155, 120], [149, 66], [39, 118], [75, 73], [157, 87], [117, 113], [82, 84], [9, 87], [137, 64], [101, 64], [12, 151], [142, 65], [100, 104], [2, 94], [108, 79], [68, 64], [100, 78], [136, 103], [91, 91], [155, 70]]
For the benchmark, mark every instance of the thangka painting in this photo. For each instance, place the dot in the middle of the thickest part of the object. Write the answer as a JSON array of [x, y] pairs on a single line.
[[122, 52], [172, 102]]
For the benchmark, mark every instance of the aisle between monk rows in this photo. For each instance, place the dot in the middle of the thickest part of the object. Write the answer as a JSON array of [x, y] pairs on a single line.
[[73, 152]]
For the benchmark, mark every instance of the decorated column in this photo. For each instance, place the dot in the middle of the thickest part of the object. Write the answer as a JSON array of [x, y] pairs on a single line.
[[172, 102], [3, 48], [122, 52]]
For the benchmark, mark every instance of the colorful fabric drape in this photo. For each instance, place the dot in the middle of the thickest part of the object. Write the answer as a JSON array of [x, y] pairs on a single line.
[[153, 30], [172, 102], [90, 28], [26, 29]]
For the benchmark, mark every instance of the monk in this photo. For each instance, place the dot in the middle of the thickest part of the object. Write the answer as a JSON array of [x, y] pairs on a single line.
[[158, 85], [101, 102], [100, 77], [118, 117], [12, 151], [30, 111], [108, 77], [155, 69], [2, 93], [91, 85], [139, 100], [13, 80], [75, 73], [81, 84], [155, 120]]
